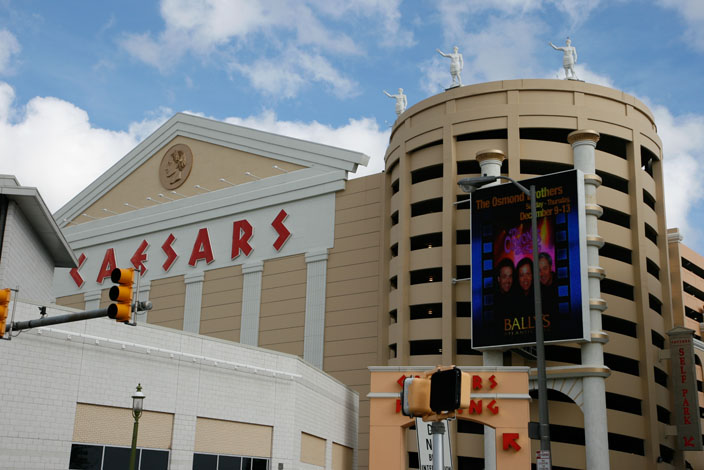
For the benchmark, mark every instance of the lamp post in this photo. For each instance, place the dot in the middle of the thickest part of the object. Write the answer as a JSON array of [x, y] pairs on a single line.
[[469, 185], [137, 407]]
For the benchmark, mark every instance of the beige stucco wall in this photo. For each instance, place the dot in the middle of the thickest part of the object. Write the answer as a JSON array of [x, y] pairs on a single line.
[[73, 301], [341, 457], [312, 450], [108, 425], [168, 297], [352, 316], [216, 436], [221, 306], [283, 304]]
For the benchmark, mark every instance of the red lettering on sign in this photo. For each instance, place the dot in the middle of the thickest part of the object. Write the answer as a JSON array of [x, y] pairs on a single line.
[[108, 265], [74, 271], [241, 234], [476, 382], [475, 407], [201, 248], [492, 407], [688, 441], [283, 232], [139, 257], [492, 381], [170, 253], [509, 439], [681, 350]]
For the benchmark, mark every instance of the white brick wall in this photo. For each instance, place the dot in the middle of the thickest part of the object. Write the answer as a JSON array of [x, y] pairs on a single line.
[[25, 261], [45, 372]]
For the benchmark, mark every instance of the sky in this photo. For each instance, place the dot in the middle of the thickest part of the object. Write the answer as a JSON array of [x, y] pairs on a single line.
[[82, 83]]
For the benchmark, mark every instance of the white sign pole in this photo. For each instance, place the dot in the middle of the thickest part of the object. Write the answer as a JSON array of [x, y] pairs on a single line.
[[427, 446]]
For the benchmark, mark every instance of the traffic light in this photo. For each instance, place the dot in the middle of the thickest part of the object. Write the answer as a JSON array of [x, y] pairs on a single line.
[[415, 397], [4, 306], [449, 390], [121, 295]]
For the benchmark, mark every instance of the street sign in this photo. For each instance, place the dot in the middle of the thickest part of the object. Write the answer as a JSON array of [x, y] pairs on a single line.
[[542, 460], [425, 445]]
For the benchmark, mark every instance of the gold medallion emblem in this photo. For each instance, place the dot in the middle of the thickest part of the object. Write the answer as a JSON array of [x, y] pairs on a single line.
[[175, 166]]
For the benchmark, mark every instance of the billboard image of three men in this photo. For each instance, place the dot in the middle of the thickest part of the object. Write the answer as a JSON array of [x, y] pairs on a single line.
[[503, 301]]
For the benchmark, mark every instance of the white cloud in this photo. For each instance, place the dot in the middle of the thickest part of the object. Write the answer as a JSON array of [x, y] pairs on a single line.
[[361, 135], [683, 167], [490, 54], [578, 11], [57, 137], [227, 27], [285, 76], [9, 46], [201, 26], [385, 12], [692, 12], [435, 75]]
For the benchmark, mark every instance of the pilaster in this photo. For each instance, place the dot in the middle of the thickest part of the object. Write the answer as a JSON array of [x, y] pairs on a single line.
[[92, 299], [251, 302], [314, 331], [194, 296]]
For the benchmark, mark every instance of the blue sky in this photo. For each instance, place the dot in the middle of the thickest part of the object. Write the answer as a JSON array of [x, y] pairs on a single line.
[[81, 83]]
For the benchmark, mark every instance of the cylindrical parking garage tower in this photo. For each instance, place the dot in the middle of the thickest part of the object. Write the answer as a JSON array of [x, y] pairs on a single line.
[[435, 143]]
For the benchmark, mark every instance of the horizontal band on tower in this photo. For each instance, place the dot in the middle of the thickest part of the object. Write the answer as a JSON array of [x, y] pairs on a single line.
[[599, 337], [594, 209], [593, 179], [595, 240], [596, 271]]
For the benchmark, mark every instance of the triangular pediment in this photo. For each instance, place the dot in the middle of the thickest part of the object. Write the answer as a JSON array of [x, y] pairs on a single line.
[[184, 167], [191, 156]]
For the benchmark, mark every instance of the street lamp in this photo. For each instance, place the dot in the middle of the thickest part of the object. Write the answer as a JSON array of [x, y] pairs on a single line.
[[137, 408], [469, 185]]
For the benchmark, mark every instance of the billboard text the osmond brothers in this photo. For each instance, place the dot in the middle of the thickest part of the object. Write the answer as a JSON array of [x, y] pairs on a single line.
[[503, 312]]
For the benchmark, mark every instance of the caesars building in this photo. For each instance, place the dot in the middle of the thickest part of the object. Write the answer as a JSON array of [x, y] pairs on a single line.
[[262, 240]]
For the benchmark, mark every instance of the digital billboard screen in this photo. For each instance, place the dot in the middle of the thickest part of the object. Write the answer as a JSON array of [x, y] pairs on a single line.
[[503, 311]]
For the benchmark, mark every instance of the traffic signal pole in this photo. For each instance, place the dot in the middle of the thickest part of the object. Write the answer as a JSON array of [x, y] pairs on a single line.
[[121, 310], [67, 318]]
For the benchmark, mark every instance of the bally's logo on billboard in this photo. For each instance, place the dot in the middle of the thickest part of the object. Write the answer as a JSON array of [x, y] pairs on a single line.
[[503, 312]]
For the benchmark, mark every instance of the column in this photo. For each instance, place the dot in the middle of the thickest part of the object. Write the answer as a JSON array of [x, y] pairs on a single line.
[[595, 425], [92, 299], [251, 302], [490, 163], [314, 331], [194, 296]]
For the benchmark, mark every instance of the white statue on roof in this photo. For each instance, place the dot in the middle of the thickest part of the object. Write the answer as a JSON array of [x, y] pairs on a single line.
[[456, 65], [568, 59], [401, 101]]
